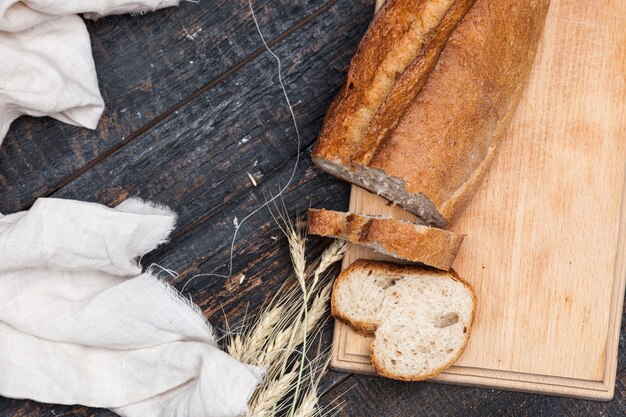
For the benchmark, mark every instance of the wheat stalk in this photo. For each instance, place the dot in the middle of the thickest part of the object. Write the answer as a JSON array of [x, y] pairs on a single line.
[[283, 340], [276, 347], [270, 395], [314, 315], [297, 247], [281, 332], [248, 351], [308, 405], [332, 254], [235, 348]]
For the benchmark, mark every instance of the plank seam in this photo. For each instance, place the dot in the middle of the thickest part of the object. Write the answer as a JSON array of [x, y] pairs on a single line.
[[187, 100]]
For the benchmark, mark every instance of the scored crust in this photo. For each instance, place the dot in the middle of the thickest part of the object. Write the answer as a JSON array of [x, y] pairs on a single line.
[[432, 139], [397, 34], [409, 83], [369, 328], [401, 239]]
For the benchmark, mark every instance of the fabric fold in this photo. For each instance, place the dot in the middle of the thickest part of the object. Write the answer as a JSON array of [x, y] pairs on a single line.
[[80, 323], [18, 15], [47, 66], [132, 229], [48, 70]]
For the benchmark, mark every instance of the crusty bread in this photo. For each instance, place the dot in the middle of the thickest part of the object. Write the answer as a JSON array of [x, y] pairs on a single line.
[[420, 318], [400, 239], [397, 34], [427, 139]]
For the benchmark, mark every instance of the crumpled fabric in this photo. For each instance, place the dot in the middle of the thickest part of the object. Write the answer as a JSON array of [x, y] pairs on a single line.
[[81, 324], [46, 65]]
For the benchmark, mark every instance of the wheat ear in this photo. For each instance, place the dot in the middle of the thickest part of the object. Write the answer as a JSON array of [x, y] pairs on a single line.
[[334, 253], [308, 405], [293, 316], [248, 351], [266, 400]]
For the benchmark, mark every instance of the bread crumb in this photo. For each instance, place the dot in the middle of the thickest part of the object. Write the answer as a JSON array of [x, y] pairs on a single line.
[[252, 179]]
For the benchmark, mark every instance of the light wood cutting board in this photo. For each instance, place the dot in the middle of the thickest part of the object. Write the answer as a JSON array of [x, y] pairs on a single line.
[[546, 233]]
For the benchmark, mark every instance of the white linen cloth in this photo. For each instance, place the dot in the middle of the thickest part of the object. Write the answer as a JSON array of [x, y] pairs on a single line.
[[46, 66], [81, 324]]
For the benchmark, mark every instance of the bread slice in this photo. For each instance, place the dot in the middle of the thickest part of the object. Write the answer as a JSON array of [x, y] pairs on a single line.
[[420, 318], [397, 238], [431, 139]]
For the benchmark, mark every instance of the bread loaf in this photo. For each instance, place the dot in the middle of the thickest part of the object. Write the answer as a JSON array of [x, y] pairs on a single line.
[[430, 93], [420, 318], [400, 239]]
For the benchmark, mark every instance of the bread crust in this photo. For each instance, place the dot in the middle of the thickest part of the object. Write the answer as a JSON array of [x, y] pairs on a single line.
[[405, 240], [409, 84], [363, 327], [387, 48], [381, 370], [369, 329], [441, 124]]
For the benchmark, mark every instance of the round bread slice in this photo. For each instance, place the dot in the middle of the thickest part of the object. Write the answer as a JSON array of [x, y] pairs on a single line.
[[401, 239], [420, 318]]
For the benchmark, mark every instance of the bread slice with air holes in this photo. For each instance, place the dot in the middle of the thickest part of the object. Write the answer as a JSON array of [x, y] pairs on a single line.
[[400, 239], [420, 317]]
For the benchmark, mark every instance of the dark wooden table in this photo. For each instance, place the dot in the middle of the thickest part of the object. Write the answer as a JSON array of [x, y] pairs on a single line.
[[193, 104]]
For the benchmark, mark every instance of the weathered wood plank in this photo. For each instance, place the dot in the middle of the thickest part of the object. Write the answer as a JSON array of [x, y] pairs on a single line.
[[373, 396], [261, 258], [179, 157], [198, 160], [265, 262], [339, 197], [146, 66], [333, 196], [19, 408]]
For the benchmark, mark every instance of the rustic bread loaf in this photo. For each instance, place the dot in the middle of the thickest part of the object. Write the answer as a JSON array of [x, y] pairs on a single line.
[[420, 318], [400, 239], [425, 136], [397, 34]]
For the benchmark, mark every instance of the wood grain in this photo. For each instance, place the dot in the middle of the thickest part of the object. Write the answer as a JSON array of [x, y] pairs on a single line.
[[152, 170], [147, 67], [546, 244], [196, 162], [367, 396], [204, 152]]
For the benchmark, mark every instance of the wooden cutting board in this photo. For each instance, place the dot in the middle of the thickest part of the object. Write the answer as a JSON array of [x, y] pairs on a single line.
[[546, 233]]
